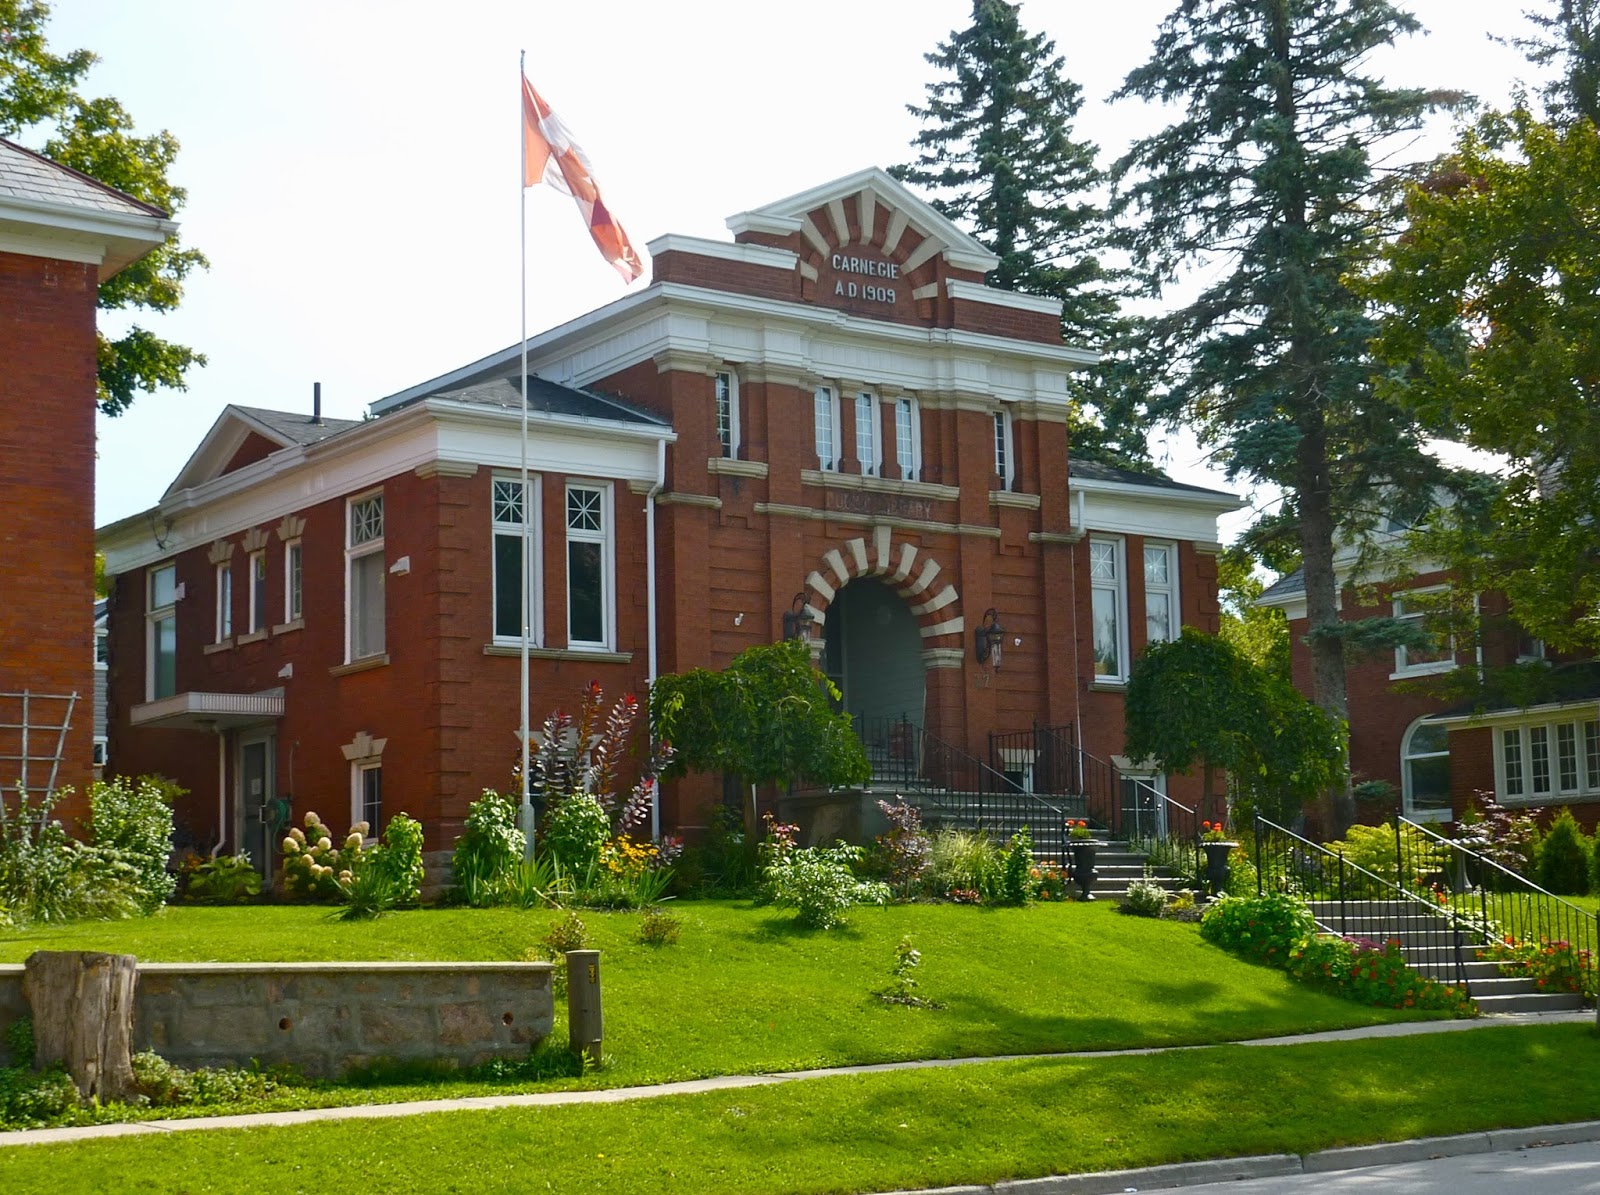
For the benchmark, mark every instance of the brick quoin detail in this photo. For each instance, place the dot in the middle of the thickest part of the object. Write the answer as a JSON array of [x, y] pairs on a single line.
[[913, 573]]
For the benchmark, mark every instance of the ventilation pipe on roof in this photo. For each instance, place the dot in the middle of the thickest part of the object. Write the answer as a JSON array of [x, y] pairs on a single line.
[[316, 404]]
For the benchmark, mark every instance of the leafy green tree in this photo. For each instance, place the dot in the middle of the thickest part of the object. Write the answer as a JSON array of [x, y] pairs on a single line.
[[1266, 179], [999, 156], [1491, 327], [1260, 635], [40, 97], [767, 718]]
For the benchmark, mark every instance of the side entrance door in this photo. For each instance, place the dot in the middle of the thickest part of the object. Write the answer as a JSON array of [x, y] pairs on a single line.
[[256, 790]]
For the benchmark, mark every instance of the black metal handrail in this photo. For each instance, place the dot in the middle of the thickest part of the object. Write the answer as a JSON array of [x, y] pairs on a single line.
[[1507, 908], [1359, 903], [1167, 832]]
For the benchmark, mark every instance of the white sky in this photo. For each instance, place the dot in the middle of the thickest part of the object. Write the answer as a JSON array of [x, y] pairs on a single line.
[[353, 167]]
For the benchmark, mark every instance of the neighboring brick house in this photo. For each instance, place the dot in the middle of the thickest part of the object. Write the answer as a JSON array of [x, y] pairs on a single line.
[[1434, 749], [61, 235], [832, 411]]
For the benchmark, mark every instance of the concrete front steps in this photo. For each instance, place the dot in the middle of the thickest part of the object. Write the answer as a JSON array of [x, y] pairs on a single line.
[[1429, 946]]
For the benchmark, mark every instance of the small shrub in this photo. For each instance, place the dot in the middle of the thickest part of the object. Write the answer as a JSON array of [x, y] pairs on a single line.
[[489, 849], [369, 891], [226, 879], [960, 861], [399, 858], [576, 831], [1263, 928], [33, 1100], [1373, 849], [134, 819], [1145, 897], [564, 934], [165, 1085], [657, 927], [902, 854], [48, 876], [1050, 883], [19, 1041], [537, 883], [902, 987], [1016, 870], [820, 886], [1563, 858], [316, 866], [1502, 837], [1372, 973]]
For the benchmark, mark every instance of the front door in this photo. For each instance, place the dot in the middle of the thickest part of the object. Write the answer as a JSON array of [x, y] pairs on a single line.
[[255, 795], [1144, 808]]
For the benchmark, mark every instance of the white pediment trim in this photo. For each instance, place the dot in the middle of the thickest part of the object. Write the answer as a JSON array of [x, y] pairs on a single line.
[[226, 437]]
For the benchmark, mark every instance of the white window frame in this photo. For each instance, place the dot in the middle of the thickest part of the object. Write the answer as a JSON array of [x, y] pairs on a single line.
[[1586, 765], [911, 433], [358, 804], [869, 446], [1005, 453], [534, 562], [1402, 667], [606, 538], [1407, 798], [257, 563], [352, 553], [102, 746], [102, 639], [224, 623], [154, 616], [1535, 648], [1168, 588], [293, 581], [825, 400], [725, 391], [1118, 588]]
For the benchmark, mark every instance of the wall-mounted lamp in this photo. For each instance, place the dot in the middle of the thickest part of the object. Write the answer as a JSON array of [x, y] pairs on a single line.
[[988, 638], [798, 619]]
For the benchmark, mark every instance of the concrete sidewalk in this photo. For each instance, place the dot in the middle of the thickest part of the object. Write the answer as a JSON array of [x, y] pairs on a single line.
[[724, 1083]]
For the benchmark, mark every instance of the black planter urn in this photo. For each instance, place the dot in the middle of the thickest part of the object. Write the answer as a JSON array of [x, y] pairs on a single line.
[[1083, 867], [1217, 865]]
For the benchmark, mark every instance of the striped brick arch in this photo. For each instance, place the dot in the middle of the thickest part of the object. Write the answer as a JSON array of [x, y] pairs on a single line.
[[914, 574]]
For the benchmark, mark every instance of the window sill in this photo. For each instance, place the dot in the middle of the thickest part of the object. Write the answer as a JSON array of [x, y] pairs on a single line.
[[253, 637], [363, 665], [594, 654], [832, 479], [1438, 669], [1014, 498], [283, 628], [1108, 686], [212, 649], [1424, 816], [734, 467]]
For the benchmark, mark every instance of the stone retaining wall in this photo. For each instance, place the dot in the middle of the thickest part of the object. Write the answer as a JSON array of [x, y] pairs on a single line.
[[323, 1018]]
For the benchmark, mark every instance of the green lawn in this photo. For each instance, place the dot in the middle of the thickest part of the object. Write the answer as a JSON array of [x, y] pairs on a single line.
[[979, 1123], [745, 991]]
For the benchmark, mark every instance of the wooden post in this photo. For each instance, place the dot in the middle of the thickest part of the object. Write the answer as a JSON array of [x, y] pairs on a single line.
[[82, 1006], [584, 1024]]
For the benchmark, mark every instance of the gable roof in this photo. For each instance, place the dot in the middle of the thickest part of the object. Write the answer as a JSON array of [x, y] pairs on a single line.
[[1078, 470], [25, 174], [235, 424], [786, 215], [550, 397]]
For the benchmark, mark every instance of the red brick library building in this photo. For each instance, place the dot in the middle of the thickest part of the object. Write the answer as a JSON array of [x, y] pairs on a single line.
[[831, 414]]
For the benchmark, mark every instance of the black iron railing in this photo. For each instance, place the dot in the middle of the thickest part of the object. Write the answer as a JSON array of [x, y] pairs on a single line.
[[1507, 909], [1350, 900], [1167, 831]]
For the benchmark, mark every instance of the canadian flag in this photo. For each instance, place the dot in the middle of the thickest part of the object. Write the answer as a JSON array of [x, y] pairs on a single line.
[[550, 155]]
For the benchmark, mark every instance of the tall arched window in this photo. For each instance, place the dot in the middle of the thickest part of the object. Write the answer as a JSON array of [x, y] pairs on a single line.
[[1425, 771]]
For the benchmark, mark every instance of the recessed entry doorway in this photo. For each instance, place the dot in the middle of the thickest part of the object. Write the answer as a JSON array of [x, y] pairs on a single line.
[[874, 655]]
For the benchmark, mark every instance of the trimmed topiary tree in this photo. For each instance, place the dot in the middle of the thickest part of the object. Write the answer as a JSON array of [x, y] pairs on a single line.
[[1563, 863]]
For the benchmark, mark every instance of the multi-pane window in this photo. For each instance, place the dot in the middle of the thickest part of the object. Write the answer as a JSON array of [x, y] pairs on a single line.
[[224, 602], [1002, 448], [102, 647], [1438, 655], [292, 606], [1545, 760], [825, 417], [1161, 615], [588, 567], [1425, 767], [512, 519], [364, 562], [867, 435], [1108, 601], [907, 438], [369, 796], [258, 592], [727, 388], [161, 632]]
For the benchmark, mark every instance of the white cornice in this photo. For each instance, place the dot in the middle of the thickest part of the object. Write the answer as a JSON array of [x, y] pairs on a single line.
[[1165, 496], [122, 237], [778, 226], [755, 255], [976, 292]]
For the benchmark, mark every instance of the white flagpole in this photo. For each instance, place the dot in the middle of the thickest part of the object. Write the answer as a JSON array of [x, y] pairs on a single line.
[[525, 817]]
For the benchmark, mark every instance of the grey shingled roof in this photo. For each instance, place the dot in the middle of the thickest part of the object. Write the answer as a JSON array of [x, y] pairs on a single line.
[[1095, 471], [545, 395], [1287, 586], [27, 175], [296, 426]]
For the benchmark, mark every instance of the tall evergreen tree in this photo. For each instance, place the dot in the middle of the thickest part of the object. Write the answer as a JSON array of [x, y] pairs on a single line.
[[1266, 179], [998, 157], [1569, 42]]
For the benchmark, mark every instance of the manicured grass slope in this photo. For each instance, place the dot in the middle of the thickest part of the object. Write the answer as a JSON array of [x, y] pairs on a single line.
[[745, 991], [977, 1123]]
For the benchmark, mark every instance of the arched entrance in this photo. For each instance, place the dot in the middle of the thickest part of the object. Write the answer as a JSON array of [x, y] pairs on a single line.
[[873, 653]]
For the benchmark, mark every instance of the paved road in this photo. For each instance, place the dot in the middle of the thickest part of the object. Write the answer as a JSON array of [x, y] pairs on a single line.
[[1551, 1170]]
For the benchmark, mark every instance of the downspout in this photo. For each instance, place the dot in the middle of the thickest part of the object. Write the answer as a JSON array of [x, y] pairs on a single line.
[[650, 605], [1077, 680]]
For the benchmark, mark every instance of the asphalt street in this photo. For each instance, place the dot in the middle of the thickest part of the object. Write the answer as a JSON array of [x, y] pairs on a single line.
[[1549, 1170]]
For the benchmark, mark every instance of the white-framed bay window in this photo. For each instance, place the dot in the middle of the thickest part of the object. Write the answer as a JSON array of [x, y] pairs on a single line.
[[364, 577], [869, 440], [1004, 455], [1556, 758], [1425, 772], [908, 438], [1162, 615], [511, 514], [726, 386], [1439, 655], [825, 422], [591, 618], [161, 631], [1108, 598]]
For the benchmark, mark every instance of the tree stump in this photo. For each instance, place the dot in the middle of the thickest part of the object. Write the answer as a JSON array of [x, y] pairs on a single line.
[[82, 1005]]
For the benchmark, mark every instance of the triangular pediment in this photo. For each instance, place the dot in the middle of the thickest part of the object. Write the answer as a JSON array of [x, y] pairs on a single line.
[[242, 436]]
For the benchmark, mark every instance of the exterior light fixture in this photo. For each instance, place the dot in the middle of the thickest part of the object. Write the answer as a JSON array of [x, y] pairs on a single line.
[[988, 638], [798, 619]]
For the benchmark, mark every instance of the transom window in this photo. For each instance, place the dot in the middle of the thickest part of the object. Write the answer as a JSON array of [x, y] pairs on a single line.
[[589, 567], [366, 521], [1161, 610], [1544, 760], [825, 417], [727, 391], [1109, 607], [507, 510], [161, 632], [365, 575], [1425, 771]]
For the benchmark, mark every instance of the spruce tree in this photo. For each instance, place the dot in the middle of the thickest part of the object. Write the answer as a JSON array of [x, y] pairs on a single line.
[[998, 157], [1568, 41], [1266, 180]]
